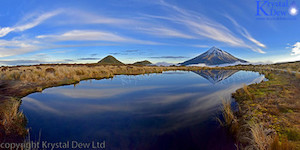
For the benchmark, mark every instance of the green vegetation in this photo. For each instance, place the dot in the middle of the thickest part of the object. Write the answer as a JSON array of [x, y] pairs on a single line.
[[142, 63], [268, 116], [269, 112], [293, 66], [110, 60]]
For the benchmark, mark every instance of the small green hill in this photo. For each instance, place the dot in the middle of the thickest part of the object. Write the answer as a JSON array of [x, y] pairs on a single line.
[[110, 60], [142, 63]]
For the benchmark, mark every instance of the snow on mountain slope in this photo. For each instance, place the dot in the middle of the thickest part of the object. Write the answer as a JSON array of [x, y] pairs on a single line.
[[214, 56]]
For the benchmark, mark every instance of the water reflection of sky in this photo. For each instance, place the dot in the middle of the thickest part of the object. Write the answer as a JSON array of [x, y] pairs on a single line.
[[131, 110]]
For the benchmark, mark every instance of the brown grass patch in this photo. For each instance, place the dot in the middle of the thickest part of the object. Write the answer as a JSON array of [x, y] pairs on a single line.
[[297, 75], [260, 140], [229, 119], [245, 88]]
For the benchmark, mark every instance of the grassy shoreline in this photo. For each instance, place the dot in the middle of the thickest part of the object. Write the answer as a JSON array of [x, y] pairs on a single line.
[[19, 81], [269, 112], [248, 125]]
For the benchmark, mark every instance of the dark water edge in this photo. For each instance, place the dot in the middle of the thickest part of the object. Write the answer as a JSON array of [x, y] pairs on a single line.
[[216, 138]]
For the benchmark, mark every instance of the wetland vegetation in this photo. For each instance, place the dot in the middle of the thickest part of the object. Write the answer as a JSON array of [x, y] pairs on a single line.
[[267, 118]]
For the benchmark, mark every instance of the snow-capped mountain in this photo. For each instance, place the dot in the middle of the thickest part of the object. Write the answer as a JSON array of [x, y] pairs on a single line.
[[215, 76], [214, 56]]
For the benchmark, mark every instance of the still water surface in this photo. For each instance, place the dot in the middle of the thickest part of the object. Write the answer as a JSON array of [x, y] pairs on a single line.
[[172, 110]]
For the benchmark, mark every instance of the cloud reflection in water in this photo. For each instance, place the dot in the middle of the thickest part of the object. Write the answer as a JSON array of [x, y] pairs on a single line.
[[155, 105]]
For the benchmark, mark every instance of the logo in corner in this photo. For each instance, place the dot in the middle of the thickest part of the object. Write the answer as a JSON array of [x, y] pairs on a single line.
[[276, 10]]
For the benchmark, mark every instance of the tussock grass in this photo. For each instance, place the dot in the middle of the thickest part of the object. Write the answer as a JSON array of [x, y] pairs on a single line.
[[292, 134], [281, 145], [246, 90], [13, 120], [269, 103], [78, 72], [273, 110], [12, 115], [260, 140], [228, 118], [289, 70], [297, 75]]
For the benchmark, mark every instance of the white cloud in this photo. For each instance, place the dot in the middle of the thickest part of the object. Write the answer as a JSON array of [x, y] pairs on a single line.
[[201, 46], [93, 35], [22, 45], [37, 21], [248, 36], [205, 27], [166, 32], [90, 18], [245, 33], [28, 24], [196, 26], [15, 47], [296, 48], [128, 23], [33, 61], [4, 31], [84, 35]]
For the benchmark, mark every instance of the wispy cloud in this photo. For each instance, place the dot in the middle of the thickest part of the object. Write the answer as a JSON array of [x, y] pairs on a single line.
[[93, 54], [127, 52], [89, 58], [116, 53], [68, 60], [84, 35], [128, 23], [166, 32], [208, 28], [181, 23], [296, 48], [168, 57], [29, 23], [243, 31], [14, 62], [15, 47], [21, 45], [200, 46], [31, 61], [73, 15], [131, 50], [93, 35]]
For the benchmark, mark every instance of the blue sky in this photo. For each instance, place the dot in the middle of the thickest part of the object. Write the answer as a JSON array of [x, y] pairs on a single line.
[[84, 31]]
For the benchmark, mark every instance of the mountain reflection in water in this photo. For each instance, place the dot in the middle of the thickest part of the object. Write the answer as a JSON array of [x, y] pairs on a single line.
[[173, 110], [215, 76]]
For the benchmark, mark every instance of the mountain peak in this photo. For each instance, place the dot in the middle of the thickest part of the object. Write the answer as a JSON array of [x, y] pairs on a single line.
[[110, 60], [213, 56], [214, 49], [143, 63]]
